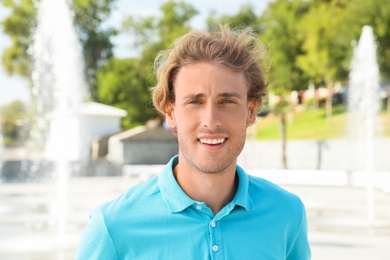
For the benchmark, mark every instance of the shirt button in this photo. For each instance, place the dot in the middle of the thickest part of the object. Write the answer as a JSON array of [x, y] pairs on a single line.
[[213, 224], [215, 248], [199, 207]]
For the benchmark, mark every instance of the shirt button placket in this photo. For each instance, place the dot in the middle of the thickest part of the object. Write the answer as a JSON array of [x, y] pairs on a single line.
[[214, 231]]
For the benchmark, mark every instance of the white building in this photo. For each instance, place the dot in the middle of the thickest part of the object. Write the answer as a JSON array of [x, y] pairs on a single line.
[[71, 135]]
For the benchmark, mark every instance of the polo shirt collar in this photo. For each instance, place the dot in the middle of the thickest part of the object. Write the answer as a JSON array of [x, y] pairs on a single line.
[[242, 197], [173, 195], [176, 199]]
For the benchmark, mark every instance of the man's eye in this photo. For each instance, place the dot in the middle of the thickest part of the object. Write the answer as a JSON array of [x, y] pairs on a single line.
[[194, 102], [228, 101]]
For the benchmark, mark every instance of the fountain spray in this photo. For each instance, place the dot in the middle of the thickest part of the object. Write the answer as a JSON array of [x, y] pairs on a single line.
[[58, 91], [364, 106]]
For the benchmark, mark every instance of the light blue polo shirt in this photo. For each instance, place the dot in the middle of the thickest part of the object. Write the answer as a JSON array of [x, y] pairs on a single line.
[[157, 220]]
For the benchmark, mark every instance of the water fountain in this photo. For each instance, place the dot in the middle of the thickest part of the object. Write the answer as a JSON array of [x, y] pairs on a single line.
[[58, 92], [43, 209], [364, 106]]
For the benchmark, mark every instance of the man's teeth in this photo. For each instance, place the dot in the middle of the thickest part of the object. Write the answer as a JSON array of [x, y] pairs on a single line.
[[212, 141]]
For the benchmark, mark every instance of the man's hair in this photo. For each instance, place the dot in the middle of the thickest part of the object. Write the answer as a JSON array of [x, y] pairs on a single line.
[[238, 50]]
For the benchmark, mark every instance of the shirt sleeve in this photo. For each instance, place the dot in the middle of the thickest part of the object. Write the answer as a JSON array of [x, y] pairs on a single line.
[[96, 242], [300, 248]]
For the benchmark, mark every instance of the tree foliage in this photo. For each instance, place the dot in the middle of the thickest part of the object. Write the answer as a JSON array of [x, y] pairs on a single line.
[[89, 15], [375, 13], [153, 34], [126, 83], [18, 27], [326, 41], [245, 17], [280, 22], [11, 122], [121, 84]]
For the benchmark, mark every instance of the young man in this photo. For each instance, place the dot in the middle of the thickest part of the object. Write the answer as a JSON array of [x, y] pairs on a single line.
[[202, 205]]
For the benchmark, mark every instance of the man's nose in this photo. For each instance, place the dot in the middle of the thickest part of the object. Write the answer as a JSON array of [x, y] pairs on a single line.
[[211, 117]]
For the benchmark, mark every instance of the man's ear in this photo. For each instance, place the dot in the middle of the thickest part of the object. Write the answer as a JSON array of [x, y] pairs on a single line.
[[251, 113], [169, 116]]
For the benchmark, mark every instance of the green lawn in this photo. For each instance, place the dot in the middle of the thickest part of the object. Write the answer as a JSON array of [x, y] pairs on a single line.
[[310, 124]]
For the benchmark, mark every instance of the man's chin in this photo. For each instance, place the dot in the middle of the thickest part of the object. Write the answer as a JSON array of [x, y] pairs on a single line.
[[212, 166]]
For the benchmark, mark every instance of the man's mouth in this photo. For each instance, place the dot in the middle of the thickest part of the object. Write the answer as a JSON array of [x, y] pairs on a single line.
[[212, 141]]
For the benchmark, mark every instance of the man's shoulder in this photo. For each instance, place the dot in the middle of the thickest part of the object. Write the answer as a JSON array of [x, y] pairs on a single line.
[[260, 188], [136, 195]]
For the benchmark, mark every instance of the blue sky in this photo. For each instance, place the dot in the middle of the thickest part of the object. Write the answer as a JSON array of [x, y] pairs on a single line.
[[14, 88]]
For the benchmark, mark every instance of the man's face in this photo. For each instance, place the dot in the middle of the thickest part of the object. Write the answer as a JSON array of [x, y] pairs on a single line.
[[211, 114]]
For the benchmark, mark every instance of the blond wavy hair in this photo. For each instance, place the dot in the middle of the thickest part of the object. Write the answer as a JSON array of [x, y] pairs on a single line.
[[237, 49]]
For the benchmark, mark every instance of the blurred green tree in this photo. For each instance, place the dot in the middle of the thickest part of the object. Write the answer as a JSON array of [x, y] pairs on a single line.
[[122, 84], [326, 44], [375, 13], [11, 122], [245, 17], [153, 34], [18, 26], [280, 22], [89, 15], [126, 83]]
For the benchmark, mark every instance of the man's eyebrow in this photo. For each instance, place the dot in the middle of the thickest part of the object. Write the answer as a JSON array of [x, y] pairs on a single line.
[[223, 94], [194, 96], [230, 94]]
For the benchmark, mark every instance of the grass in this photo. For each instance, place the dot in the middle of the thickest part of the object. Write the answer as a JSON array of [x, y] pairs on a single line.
[[311, 124]]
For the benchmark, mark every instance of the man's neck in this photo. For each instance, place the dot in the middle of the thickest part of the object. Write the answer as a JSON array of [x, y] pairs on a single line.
[[214, 189]]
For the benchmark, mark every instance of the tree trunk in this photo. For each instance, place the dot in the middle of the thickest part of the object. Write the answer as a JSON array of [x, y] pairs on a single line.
[[284, 138], [388, 106], [315, 99], [329, 104], [312, 88]]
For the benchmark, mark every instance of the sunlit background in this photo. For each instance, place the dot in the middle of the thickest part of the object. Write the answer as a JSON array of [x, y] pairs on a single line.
[[77, 127]]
